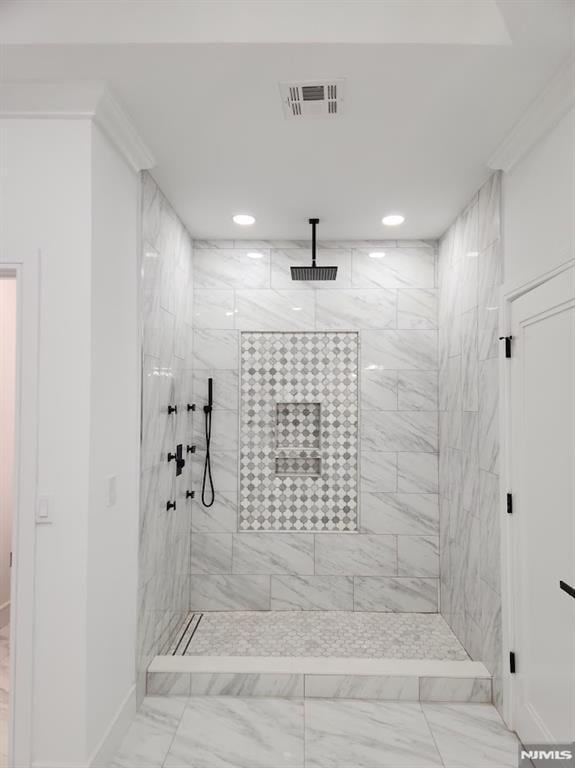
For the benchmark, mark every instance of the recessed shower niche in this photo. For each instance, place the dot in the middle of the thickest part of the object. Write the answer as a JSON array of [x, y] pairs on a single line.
[[299, 423]]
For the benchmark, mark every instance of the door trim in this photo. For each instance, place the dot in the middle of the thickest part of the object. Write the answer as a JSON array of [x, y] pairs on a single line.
[[26, 269], [510, 292]]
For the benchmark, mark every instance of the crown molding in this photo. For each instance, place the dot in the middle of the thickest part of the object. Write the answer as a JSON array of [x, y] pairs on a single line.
[[77, 101], [541, 116]]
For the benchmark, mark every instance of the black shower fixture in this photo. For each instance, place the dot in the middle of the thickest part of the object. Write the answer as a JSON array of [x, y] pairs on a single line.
[[314, 272], [208, 494]]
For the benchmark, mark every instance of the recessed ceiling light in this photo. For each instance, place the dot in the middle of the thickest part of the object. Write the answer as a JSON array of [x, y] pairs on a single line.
[[297, 309], [377, 255], [255, 255], [244, 219], [393, 220]]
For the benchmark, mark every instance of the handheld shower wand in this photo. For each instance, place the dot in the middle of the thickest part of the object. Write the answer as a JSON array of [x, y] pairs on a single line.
[[207, 480]]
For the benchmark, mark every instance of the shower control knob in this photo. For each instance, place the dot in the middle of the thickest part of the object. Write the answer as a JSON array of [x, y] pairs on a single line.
[[190, 494], [172, 409], [170, 505], [190, 449], [191, 407]]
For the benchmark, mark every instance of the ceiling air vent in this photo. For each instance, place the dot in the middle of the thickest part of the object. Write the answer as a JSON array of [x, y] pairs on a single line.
[[312, 99]]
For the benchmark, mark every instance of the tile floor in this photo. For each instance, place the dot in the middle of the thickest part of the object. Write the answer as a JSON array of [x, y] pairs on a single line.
[[322, 633], [230, 732], [4, 688]]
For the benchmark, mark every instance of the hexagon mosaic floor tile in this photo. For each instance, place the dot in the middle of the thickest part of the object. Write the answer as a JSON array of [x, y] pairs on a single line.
[[324, 633], [299, 422]]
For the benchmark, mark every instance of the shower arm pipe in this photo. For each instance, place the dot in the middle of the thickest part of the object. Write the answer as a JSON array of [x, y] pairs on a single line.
[[314, 223]]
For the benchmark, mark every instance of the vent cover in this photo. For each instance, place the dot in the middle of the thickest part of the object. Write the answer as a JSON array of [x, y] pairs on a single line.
[[312, 99]]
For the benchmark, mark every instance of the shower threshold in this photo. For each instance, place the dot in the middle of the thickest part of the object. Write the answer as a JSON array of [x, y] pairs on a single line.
[[387, 656]]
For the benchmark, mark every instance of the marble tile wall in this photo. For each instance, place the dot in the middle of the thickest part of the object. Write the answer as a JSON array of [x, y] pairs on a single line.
[[164, 540], [470, 261], [392, 562]]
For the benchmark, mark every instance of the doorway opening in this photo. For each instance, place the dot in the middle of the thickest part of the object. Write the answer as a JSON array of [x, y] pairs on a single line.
[[8, 335]]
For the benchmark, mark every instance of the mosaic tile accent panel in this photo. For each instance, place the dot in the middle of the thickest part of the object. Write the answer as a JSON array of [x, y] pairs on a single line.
[[299, 414]]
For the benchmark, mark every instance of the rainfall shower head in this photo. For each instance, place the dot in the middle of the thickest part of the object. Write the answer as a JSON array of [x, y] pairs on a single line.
[[313, 272]]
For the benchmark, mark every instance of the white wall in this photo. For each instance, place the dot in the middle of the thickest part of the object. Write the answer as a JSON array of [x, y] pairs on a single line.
[[7, 404], [539, 205], [63, 192], [114, 438]]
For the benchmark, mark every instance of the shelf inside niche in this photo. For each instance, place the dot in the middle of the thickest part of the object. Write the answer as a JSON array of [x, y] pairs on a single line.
[[298, 425], [308, 466]]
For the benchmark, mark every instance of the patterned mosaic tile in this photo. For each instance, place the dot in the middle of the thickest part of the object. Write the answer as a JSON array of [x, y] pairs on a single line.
[[299, 421], [326, 633]]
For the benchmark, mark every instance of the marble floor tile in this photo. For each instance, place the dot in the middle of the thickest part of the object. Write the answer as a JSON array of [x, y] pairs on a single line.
[[367, 734], [471, 735], [149, 737], [221, 732]]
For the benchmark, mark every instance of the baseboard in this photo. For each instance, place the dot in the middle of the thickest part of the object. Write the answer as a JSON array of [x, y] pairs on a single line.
[[4, 614], [112, 739]]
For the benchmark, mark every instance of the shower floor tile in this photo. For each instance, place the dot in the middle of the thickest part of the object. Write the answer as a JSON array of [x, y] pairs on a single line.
[[319, 634]]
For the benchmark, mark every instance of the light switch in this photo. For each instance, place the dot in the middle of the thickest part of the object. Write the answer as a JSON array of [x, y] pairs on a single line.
[[112, 490], [43, 512]]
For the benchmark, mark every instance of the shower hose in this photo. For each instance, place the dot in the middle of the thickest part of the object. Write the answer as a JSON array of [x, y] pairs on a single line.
[[208, 495]]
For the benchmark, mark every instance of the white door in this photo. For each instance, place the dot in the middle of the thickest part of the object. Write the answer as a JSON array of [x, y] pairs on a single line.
[[543, 524]]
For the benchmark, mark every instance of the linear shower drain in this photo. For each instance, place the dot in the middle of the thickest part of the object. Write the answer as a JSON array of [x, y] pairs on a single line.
[[182, 642]]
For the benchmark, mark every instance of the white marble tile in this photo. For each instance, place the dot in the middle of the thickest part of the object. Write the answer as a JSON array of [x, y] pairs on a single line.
[[471, 735], [344, 310], [489, 212], [283, 259], [225, 429], [490, 525], [399, 268], [225, 390], [469, 361], [247, 684], [269, 310], [148, 739], [211, 553], [230, 593], [488, 325], [417, 390], [418, 556], [312, 593], [378, 472], [417, 308], [392, 688], [470, 457], [395, 594], [355, 555], [489, 415], [454, 401], [378, 390], [400, 431], [231, 732], [168, 684], [214, 309], [230, 268], [224, 470], [490, 269], [222, 517], [398, 350], [417, 473], [451, 689], [366, 734], [215, 349], [400, 513], [273, 553]]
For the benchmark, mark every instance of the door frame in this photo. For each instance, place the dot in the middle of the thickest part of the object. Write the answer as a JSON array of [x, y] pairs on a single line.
[[510, 292], [26, 269]]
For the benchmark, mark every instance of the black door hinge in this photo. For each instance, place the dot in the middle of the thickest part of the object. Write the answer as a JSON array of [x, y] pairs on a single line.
[[512, 662], [509, 504], [507, 340]]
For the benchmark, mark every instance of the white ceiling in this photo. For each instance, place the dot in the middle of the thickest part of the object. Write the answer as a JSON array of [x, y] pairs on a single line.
[[421, 118]]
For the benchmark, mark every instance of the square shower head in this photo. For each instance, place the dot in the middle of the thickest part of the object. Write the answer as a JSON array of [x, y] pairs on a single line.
[[313, 273]]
